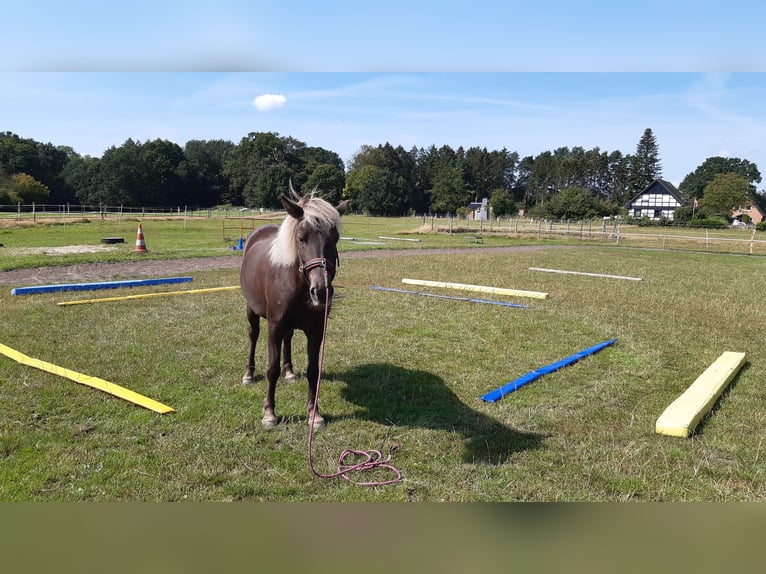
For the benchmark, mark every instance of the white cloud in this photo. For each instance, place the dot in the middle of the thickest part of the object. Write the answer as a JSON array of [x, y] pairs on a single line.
[[266, 102]]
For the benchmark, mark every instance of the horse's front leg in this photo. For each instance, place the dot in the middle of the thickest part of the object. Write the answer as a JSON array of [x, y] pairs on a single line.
[[314, 345], [254, 329], [287, 359], [272, 374]]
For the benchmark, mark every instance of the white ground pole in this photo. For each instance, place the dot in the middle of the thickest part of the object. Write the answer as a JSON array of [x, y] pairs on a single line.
[[481, 288], [583, 273]]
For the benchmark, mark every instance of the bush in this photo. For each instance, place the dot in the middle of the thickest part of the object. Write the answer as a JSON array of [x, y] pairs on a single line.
[[710, 221]]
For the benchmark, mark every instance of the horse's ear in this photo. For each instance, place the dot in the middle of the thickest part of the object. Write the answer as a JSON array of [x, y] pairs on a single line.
[[291, 207], [342, 207], [293, 194]]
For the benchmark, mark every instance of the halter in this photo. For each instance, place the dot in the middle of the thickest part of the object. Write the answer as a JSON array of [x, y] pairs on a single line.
[[325, 264]]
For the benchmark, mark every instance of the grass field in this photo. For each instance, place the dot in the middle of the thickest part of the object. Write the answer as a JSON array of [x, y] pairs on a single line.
[[403, 374]]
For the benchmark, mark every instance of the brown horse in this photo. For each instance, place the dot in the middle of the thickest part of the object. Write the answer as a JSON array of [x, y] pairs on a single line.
[[286, 278]]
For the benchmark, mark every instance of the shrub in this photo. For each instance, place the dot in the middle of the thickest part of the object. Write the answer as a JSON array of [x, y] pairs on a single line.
[[710, 221]]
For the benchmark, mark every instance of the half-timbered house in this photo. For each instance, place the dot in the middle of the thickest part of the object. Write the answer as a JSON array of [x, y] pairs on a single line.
[[659, 199]]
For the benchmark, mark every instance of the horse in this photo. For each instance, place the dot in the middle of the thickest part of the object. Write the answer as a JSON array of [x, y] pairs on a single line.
[[286, 278]]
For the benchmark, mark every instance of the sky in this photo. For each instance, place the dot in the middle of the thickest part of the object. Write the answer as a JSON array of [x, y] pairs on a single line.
[[525, 76]]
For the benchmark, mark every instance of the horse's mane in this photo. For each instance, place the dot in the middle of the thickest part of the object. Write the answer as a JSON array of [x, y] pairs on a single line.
[[317, 214]]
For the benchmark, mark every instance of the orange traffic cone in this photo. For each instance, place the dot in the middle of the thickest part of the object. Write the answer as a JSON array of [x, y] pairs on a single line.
[[140, 244]]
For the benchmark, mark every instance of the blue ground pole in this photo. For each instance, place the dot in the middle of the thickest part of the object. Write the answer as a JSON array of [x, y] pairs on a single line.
[[498, 394], [99, 285]]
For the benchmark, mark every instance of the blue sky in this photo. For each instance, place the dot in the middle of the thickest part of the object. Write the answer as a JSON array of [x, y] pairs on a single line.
[[526, 76]]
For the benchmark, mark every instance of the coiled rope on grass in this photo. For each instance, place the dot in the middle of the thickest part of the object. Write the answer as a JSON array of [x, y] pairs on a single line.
[[372, 459]]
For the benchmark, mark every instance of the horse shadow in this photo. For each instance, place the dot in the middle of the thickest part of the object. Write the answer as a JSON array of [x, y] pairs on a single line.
[[388, 394]]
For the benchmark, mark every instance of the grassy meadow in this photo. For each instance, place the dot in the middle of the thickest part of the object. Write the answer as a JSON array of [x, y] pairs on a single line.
[[403, 374]]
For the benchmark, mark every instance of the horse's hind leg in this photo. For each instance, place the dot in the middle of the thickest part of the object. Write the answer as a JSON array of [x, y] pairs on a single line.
[[254, 328], [287, 359]]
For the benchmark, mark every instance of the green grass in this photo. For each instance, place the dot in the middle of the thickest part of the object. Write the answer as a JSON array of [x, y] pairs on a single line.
[[402, 374]]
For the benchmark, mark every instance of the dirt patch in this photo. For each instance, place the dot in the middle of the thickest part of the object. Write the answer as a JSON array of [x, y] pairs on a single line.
[[159, 268], [63, 250]]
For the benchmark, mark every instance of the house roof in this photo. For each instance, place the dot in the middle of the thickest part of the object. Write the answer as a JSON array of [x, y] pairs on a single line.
[[753, 207], [664, 185]]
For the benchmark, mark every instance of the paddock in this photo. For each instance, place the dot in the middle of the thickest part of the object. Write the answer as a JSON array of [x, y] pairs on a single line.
[[402, 374]]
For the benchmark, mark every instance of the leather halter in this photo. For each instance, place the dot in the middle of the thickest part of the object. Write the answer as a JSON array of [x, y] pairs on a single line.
[[317, 262]]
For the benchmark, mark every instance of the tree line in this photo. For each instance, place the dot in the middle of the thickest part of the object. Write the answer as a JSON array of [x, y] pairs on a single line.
[[567, 182]]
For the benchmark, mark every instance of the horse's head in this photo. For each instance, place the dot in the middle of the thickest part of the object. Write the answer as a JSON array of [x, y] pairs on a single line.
[[316, 231]]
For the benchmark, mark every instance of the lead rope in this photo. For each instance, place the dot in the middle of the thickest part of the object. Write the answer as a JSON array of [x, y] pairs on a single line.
[[372, 458]]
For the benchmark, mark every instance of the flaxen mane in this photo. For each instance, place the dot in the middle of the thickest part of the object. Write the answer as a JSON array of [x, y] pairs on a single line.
[[318, 214]]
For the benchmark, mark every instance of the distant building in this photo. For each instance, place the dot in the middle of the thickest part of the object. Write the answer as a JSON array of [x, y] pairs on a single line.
[[754, 212], [477, 211], [659, 199]]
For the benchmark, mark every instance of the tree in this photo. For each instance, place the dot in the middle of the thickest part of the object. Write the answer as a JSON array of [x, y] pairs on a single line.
[[163, 186], [724, 193], [399, 161], [5, 188], [618, 186], [448, 192], [376, 191], [137, 174], [82, 174], [430, 163], [43, 162], [645, 165], [694, 184], [260, 168], [542, 179], [501, 202], [329, 180], [202, 171], [574, 203], [24, 188], [324, 171]]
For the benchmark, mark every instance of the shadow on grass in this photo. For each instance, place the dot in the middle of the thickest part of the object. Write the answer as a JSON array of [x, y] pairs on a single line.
[[388, 394], [721, 399]]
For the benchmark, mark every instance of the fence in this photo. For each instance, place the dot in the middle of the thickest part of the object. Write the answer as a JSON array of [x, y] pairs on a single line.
[[612, 231], [34, 211], [240, 221]]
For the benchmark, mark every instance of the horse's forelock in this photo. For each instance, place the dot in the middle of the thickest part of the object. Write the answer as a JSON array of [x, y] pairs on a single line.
[[317, 214]]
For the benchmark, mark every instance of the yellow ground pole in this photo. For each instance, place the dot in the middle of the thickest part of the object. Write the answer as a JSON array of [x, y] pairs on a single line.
[[147, 295], [482, 288], [683, 415], [94, 382]]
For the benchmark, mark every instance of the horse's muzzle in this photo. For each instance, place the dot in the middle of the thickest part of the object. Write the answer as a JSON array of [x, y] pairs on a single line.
[[321, 294], [319, 273]]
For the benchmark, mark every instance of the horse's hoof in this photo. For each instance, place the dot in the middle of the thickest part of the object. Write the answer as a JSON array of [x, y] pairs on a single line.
[[291, 378], [318, 421], [269, 422], [247, 380]]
